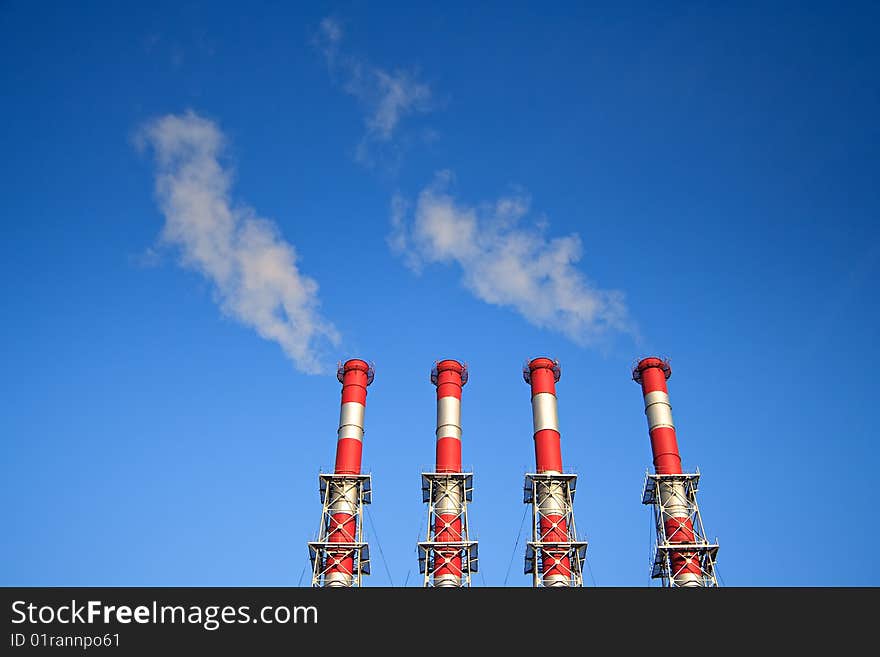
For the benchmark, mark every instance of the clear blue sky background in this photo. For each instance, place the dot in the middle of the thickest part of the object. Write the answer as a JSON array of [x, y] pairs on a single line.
[[720, 166]]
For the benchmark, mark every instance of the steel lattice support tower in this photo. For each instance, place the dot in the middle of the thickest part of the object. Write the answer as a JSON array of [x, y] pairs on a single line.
[[341, 556], [448, 557], [683, 555], [554, 555]]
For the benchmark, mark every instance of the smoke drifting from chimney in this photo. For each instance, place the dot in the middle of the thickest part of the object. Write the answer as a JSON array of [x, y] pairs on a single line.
[[252, 268]]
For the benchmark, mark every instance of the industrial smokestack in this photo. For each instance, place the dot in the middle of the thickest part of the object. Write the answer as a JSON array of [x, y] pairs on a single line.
[[354, 376], [340, 555], [448, 556], [554, 556], [684, 557], [652, 374]]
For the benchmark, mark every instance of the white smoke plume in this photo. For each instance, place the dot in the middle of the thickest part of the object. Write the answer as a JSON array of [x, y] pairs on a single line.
[[506, 262], [253, 269], [387, 96]]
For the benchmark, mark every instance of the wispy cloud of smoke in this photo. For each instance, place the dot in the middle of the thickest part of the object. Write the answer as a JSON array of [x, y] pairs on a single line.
[[253, 269], [506, 261], [386, 96]]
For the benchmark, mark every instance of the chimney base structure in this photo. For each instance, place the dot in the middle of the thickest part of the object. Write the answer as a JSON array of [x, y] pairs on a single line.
[[448, 557], [554, 555], [683, 556], [341, 556]]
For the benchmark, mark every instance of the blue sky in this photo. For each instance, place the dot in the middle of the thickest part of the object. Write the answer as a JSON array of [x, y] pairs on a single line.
[[206, 207]]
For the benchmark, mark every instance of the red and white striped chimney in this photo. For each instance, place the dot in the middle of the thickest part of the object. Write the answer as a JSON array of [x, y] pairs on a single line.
[[652, 374], [543, 374], [355, 375], [449, 376]]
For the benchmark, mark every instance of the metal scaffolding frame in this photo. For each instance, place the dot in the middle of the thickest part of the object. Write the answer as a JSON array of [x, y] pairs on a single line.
[[324, 554], [540, 552], [439, 489], [663, 491]]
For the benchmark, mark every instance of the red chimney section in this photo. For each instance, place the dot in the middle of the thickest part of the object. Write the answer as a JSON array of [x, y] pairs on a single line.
[[355, 375], [652, 374], [543, 374]]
